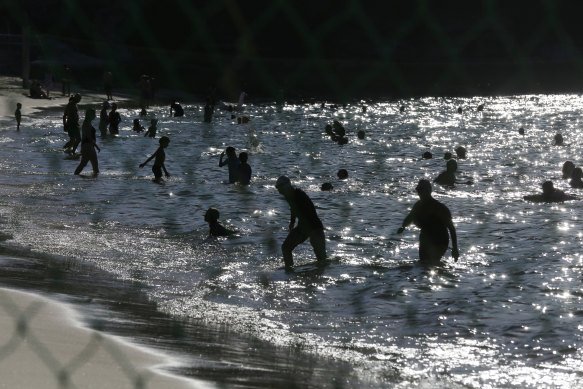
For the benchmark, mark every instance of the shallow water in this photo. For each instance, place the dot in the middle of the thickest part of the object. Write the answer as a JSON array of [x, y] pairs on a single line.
[[506, 315]]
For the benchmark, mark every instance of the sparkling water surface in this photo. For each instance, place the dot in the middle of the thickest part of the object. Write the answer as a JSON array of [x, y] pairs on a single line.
[[508, 314]]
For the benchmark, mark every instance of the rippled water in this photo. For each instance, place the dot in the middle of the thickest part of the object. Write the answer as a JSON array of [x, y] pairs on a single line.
[[508, 314]]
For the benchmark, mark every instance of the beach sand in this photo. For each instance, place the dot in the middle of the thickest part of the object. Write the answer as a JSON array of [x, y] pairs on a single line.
[[43, 344], [11, 92]]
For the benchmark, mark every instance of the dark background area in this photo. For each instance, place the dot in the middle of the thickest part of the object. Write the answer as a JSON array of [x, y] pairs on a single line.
[[343, 50]]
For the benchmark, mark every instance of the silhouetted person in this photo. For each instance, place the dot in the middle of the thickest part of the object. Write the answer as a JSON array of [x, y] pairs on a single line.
[[152, 129], [447, 178], [360, 134], [559, 140], [177, 108], [88, 144], [160, 156], [576, 181], [550, 195], [427, 155], [18, 116], [71, 123], [104, 119], [342, 174], [215, 228], [114, 120], [137, 127], [145, 88], [309, 224], [521, 131], [480, 107], [36, 91], [434, 220], [460, 110], [108, 85], [461, 152], [66, 80], [447, 156], [233, 163], [244, 169], [208, 111], [567, 169], [326, 186]]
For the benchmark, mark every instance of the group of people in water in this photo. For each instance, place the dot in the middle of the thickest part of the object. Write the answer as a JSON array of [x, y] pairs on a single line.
[[432, 217]]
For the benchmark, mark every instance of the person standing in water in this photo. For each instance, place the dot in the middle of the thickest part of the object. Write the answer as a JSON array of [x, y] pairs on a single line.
[[233, 162], [160, 156], [88, 144], [309, 224], [71, 123], [434, 220], [178, 110], [104, 119], [244, 169], [114, 120], [18, 116]]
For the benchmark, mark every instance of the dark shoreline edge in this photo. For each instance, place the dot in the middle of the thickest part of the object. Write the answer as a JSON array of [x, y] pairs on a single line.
[[205, 352]]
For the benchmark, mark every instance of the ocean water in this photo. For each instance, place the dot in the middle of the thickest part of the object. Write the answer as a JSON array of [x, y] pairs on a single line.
[[507, 314]]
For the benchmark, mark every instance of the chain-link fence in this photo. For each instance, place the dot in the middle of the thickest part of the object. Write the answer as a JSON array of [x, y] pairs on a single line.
[[350, 50], [40, 346], [343, 51]]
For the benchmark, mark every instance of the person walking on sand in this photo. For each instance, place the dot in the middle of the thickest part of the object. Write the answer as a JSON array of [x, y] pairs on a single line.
[[88, 144], [160, 156], [309, 224], [434, 220], [18, 116]]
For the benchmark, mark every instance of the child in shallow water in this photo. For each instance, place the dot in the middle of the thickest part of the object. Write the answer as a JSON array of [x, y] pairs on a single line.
[[215, 228], [160, 156], [137, 126]]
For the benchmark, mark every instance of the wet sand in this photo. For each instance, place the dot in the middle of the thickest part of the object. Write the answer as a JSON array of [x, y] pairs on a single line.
[[46, 346]]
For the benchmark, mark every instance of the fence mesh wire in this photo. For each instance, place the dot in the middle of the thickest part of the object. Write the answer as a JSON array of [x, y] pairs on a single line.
[[344, 51]]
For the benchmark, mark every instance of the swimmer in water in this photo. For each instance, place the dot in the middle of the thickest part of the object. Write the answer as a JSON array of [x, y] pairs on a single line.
[[434, 220], [576, 181], [309, 224], [447, 178], [160, 156], [215, 228], [567, 169], [550, 195]]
